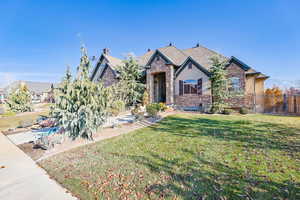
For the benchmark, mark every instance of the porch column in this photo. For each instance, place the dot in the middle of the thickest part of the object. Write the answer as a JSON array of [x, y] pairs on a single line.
[[150, 86], [171, 84]]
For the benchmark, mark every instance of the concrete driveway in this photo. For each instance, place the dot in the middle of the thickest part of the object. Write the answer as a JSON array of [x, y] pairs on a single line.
[[22, 179]]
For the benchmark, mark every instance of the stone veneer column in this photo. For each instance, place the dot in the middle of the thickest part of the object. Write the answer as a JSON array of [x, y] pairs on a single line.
[[171, 88], [150, 85]]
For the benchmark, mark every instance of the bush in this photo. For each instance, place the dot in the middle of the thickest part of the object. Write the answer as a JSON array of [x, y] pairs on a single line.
[[152, 109], [227, 111], [162, 107], [244, 111], [136, 110], [145, 98], [20, 99], [117, 107], [214, 110], [81, 106]]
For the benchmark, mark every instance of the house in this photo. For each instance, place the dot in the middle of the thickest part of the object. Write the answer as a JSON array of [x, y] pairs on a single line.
[[180, 77], [2, 98], [40, 91]]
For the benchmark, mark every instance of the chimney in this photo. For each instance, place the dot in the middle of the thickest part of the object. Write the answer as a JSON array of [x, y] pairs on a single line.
[[148, 50], [106, 51]]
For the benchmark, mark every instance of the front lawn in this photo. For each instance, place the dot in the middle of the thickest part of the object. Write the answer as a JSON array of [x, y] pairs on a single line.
[[14, 121], [189, 156]]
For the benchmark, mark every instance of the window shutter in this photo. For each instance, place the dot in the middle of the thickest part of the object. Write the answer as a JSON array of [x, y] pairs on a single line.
[[199, 88], [180, 87]]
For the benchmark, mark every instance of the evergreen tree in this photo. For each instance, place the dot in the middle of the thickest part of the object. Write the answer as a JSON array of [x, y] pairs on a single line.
[[219, 85], [80, 105], [130, 86], [20, 99]]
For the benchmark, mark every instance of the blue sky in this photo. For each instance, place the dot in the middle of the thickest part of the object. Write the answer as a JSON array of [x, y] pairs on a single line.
[[38, 39]]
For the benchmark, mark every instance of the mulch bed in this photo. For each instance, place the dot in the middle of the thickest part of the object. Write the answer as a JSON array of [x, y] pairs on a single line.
[[32, 151]]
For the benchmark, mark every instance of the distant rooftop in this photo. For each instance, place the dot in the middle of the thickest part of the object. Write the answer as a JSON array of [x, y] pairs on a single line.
[[35, 87]]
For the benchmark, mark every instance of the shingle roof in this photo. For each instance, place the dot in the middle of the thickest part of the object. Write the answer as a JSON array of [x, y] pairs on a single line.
[[142, 60], [113, 61], [35, 87], [174, 54], [202, 55]]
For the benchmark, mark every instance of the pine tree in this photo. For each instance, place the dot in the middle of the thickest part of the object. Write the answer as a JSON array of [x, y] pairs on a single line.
[[219, 85], [130, 85], [80, 105], [20, 99]]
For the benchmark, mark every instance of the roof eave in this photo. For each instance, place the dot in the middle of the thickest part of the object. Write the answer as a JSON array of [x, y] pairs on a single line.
[[168, 60], [184, 64]]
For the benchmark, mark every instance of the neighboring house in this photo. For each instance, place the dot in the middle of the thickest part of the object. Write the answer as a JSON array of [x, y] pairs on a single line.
[[40, 91], [2, 97], [180, 77]]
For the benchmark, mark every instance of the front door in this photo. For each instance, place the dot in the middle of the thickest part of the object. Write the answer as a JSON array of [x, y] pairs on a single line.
[[160, 87]]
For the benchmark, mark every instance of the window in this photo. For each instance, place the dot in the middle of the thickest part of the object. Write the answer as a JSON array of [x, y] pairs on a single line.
[[190, 65], [157, 58], [235, 84], [190, 86]]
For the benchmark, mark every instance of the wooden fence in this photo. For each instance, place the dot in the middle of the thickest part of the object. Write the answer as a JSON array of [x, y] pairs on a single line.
[[289, 104]]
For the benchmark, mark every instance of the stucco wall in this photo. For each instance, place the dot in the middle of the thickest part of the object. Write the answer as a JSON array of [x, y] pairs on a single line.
[[193, 74], [250, 82], [259, 89], [193, 100]]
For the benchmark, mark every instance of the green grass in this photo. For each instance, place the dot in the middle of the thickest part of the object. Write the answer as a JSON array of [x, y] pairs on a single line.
[[13, 121], [189, 156]]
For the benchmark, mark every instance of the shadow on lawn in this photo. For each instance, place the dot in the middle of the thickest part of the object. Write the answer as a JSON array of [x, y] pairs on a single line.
[[204, 179], [252, 134]]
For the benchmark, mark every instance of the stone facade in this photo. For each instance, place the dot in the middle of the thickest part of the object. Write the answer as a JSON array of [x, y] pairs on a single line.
[[234, 70], [157, 66], [203, 101], [168, 67], [108, 77], [193, 100]]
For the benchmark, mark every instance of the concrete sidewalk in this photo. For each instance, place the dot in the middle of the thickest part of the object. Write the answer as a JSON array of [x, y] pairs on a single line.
[[22, 179]]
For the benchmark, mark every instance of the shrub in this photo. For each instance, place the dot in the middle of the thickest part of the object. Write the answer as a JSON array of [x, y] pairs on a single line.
[[244, 111], [227, 111], [145, 98], [214, 110], [162, 107], [152, 109], [20, 99], [81, 105], [136, 110], [117, 107]]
